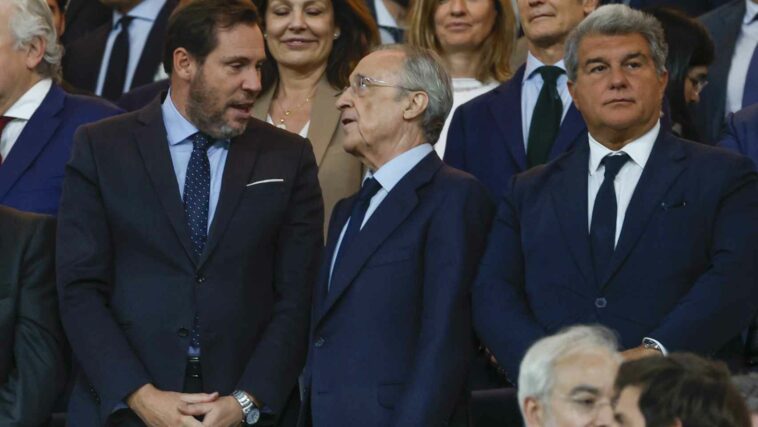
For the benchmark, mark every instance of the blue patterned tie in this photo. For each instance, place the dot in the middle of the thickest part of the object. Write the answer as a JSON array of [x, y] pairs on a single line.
[[197, 191], [603, 226]]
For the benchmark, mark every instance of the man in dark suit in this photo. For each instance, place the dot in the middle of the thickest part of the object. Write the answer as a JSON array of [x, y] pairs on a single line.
[[733, 76], [189, 237], [650, 235], [529, 119], [83, 17], [691, 7], [391, 325], [37, 118], [124, 53], [741, 133], [32, 371]]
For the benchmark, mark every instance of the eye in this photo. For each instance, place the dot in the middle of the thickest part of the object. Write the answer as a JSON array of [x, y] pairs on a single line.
[[281, 11], [313, 11], [597, 68], [633, 64], [259, 65]]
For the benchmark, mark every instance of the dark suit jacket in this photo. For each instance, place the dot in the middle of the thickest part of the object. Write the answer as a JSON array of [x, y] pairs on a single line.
[[691, 7], [32, 175], [129, 286], [32, 371], [741, 132], [486, 140], [82, 17], [684, 270], [143, 95], [391, 339], [81, 64], [724, 25]]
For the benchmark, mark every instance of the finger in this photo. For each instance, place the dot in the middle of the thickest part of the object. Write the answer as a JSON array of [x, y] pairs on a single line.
[[190, 422], [198, 397], [194, 408]]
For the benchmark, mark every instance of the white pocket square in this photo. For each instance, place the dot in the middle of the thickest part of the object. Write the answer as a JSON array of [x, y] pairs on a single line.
[[264, 181]]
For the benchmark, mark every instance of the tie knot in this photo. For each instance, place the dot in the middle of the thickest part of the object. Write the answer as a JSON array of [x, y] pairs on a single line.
[[4, 120], [369, 188], [201, 141], [613, 164], [124, 21], [550, 73]]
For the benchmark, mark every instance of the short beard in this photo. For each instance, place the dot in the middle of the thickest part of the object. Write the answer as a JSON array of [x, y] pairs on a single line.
[[210, 122]]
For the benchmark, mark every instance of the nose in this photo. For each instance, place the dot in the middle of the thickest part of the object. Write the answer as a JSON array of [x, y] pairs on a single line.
[[604, 417], [297, 21], [252, 81], [344, 100], [618, 78], [458, 7]]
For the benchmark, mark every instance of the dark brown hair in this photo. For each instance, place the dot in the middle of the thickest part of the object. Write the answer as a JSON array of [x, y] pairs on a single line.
[[194, 25], [358, 34], [684, 387]]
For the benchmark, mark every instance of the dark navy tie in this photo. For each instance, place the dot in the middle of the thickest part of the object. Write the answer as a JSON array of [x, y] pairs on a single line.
[[546, 117], [197, 191], [369, 188], [750, 93], [603, 226], [116, 75]]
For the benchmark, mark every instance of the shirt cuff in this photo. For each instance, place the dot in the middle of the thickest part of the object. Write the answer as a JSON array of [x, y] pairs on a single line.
[[663, 349]]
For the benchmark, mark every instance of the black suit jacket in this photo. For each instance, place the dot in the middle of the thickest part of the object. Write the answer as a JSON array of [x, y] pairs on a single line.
[[129, 285], [32, 371], [82, 17], [81, 64]]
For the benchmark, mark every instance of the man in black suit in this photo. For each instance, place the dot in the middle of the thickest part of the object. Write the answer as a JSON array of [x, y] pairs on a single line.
[[189, 237], [32, 370], [122, 54]]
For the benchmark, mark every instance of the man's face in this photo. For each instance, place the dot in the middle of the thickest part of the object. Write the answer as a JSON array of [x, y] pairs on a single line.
[[224, 87], [372, 113], [627, 410], [16, 73], [581, 393], [548, 22], [617, 87], [59, 22]]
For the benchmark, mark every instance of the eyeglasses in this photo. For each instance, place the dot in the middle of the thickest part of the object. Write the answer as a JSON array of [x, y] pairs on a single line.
[[360, 84], [698, 83], [587, 406]]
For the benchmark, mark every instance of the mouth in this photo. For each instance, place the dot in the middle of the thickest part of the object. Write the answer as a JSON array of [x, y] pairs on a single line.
[[538, 16], [457, 26], [346, 121], [619, 101], [297, 42], [242, 108]]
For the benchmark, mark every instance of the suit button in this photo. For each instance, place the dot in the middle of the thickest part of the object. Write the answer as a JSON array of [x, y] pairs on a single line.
[[319, 342], [200, 279], [601, 303], [182, 332]]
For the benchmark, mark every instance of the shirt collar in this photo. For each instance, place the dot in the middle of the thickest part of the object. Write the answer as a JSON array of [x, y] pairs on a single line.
[[383, 16], [638, 150], [532, 63], [178, 128], [751, 10], [393, 171], [147, 10], [27, 104]]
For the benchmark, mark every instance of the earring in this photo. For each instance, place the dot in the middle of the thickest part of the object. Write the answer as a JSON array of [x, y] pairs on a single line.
[[265, 36], [336, 35]]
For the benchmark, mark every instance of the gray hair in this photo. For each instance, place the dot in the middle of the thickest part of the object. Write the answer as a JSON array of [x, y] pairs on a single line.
[[747, 384], [33, 19], [536, 376], [423, 71], [617, 19]]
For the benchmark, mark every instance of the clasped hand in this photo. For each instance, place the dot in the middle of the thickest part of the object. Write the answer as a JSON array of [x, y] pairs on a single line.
[[159, 408]]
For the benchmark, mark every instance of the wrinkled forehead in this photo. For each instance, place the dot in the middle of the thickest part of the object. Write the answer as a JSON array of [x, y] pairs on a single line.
[[609, 47], [584, 371], [382, 64]]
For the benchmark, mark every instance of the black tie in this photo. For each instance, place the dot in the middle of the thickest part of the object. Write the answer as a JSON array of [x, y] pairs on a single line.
[[197, 189], [603, 227], [750, 92], [369, 188], [116, 76], [397, 33], [546, 117]]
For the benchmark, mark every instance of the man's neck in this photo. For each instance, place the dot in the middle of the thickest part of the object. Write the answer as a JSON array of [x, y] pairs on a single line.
[[21, 89], [548, 55], [462, 64], [616, 140]]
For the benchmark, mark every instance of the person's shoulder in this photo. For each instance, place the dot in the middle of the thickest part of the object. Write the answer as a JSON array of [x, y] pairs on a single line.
[[89, 106], [712, 160], [18, 223], [483, 101], [714, 18], [455, 181]]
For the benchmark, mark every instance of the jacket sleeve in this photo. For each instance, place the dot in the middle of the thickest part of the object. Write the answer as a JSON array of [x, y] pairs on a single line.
[[455, 151]]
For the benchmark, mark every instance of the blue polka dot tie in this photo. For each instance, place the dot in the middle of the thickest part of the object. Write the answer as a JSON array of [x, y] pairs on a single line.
[[197, 190]]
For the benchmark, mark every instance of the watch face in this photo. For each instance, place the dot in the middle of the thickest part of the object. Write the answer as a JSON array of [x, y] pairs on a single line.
[[253, 416]]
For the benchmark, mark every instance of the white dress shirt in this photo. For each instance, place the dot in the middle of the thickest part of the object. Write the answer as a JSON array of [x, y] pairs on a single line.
[[743, 53], [627, 178], [530, 91], [385, 19], [144, 15], [21, 111], [464, 89]]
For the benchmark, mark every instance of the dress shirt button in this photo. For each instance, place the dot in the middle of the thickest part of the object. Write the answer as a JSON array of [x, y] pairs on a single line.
[[601, 303], [319, 342], [183, 332], [200, 279]]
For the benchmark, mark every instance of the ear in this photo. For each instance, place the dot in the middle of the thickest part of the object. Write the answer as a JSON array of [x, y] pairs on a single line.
[[663, 79], [416, 105], [589, 5], [35, 51], [185, 65], [677, 423], [534, 416], [572, 91]]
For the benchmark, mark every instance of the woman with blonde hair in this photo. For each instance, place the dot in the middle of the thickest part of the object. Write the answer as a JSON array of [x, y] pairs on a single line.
[[474, 39]]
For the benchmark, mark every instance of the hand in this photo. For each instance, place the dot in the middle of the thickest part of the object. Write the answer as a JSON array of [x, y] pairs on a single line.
[[224, 412], [639, 352], [161, 408]]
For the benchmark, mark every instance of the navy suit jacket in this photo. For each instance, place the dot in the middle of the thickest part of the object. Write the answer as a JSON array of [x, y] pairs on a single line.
[[32, 175], [392, 337], [724, 24], [684, 271], [741, 133], [486, 140], [129, 285]]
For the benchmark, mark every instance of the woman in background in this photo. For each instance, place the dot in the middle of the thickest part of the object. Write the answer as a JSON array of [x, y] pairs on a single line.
[[312, 46], [474, 39]]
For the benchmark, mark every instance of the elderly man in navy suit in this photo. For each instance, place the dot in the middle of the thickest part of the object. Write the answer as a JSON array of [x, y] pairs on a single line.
[[529, 119], [37, 118], [650, 235], [391, 328]]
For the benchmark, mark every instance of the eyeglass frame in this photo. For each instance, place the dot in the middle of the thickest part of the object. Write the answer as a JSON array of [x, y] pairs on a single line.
[[364, 82], [698, 84]]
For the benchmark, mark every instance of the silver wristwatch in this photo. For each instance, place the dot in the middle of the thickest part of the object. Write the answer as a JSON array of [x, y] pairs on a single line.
[[651, 345], [250, 413]]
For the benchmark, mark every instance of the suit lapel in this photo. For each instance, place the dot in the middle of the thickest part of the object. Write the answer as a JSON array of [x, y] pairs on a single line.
[[662, 169], [263, 103], [570, 203], [572, 126], [33, 139], [239, 166], [393, 210], [506, 109], [152, 55], [321, 130], [153, 146], [340, 217]]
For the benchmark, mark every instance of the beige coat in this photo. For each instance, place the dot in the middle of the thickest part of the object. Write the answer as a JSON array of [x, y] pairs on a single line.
[[338, 172]]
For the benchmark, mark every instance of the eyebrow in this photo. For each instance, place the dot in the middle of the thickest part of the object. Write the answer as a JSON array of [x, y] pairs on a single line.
[[585, 389], [627, 57]]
